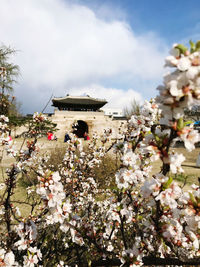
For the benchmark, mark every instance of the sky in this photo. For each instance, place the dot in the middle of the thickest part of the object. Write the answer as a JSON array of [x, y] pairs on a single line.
[[110, 49]]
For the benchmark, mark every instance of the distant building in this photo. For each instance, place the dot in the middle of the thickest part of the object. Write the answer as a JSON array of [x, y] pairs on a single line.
[[82, 115], [85, 112], [114, 112]]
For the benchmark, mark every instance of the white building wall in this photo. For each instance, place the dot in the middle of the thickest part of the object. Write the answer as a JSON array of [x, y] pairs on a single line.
[[115, 112]]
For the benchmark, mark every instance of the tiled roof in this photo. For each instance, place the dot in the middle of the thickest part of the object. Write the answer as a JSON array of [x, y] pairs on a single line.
[[79, 100]]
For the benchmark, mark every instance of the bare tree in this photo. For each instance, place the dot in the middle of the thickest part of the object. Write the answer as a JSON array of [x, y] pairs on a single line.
[[194, 113], [134, 108]]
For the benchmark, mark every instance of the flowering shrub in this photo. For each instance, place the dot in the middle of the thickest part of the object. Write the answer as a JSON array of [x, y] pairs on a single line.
[[146, 219]]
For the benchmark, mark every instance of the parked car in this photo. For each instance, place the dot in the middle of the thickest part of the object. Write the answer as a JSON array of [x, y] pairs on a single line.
[[197, 125]]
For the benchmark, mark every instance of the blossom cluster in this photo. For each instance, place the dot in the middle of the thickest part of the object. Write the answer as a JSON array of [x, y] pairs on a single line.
[[181, 87], [72, 220]]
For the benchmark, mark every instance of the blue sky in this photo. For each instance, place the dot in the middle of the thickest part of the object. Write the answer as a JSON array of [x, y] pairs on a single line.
[[111, 49], [173, 20]]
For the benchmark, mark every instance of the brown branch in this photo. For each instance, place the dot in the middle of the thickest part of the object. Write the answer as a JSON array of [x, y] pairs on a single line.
[[113, 228], [7, 203], [122, 231]]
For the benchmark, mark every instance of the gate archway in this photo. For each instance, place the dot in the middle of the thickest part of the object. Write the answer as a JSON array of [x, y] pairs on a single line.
[[80, 129]]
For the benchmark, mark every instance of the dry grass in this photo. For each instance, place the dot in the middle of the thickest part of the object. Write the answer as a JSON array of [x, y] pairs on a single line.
[[191, 172], [20, 193], [104, 174], [105, 171], [56, 148]]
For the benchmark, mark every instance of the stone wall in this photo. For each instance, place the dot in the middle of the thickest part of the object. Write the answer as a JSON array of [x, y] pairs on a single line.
[[96, 122]]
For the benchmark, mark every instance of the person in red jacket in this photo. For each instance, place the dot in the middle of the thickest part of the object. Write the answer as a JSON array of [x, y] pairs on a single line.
[[86, 136], [49, 136]]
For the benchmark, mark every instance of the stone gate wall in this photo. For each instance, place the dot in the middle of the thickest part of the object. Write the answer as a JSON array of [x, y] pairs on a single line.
[[96, 122]]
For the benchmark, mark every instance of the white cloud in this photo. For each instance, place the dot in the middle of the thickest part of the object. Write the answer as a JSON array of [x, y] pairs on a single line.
[[63, 45]]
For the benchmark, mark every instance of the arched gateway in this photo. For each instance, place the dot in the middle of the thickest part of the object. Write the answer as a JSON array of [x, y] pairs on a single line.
[[85, 110], [80, 129]]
